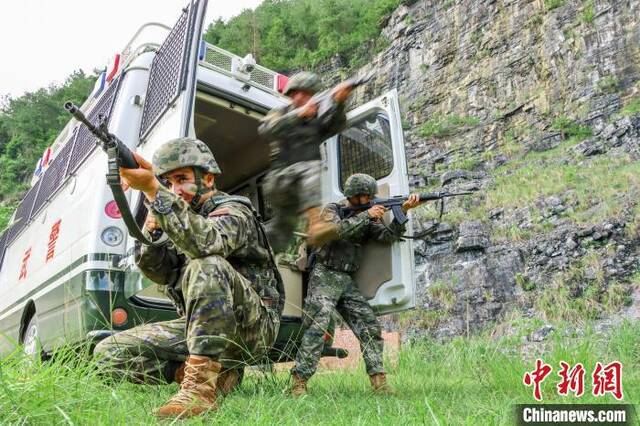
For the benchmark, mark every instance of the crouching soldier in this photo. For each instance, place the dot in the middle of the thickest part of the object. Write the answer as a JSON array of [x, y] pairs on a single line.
[[218, 269], [331, 284]]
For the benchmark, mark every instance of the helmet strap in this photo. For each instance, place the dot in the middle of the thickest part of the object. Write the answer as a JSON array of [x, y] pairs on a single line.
[[201, 189]]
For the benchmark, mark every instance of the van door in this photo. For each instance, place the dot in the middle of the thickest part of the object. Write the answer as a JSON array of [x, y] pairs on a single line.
[[169, 100], [373, 143]]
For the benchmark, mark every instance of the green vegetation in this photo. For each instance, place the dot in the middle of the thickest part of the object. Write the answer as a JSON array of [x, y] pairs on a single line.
[[6, 210], [608, 84], [570, 129], [425, 319], [524, 283], [573, 297], [588, 13], [632, 107], [482, 382], [28, 124], [467, 162], [446, 125], [553, 4], [442, 293], [293, 34], [610, 176], [595, 186]]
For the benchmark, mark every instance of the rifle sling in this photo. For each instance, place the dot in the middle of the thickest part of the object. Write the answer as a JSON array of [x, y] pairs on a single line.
[[113, 180]]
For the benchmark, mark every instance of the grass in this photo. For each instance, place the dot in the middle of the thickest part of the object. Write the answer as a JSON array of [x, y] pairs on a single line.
[[599, 187], [588, 13], [553, 4], [612, 176], [631, 108], [446, 125], [569, 128], [482, 380]]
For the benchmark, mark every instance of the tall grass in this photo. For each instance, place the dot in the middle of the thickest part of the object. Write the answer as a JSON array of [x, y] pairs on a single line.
[[465, 381]]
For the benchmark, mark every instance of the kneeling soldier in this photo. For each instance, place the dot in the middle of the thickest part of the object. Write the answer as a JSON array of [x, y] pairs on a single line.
[[331, 285], [217, 267]]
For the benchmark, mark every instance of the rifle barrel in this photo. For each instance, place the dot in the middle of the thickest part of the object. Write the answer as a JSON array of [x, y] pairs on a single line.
[[125, 156], [439, 195], [78, 115]]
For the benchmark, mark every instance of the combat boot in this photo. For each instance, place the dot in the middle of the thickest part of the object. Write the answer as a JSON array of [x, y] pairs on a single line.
[[379, 383], [298, 387], [228, 380], [178, 376], [197, 393], [226, 383], [319, 231]]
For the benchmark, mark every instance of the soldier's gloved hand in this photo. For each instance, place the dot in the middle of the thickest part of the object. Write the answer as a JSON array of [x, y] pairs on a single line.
[[412, 201], [342, 91], [376, 212], [308, 110]]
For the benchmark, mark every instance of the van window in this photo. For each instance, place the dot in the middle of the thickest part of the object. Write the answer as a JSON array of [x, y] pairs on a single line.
[[365, 147]]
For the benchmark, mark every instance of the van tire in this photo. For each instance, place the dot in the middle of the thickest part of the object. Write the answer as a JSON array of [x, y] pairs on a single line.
[[31, 340]]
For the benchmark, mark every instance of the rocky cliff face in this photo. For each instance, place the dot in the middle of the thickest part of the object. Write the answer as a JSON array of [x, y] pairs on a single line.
[[535, 105]]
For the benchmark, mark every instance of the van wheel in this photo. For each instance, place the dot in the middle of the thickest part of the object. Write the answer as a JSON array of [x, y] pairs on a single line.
[[31, 341]]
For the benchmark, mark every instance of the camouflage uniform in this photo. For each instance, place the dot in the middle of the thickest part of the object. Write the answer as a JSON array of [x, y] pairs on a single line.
[[217, 269], [293, 185], [331, 287]]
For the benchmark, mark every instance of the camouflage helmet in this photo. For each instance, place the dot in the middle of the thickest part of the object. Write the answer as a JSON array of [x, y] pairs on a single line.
[[307, 81], [184, 152], [360, 184]]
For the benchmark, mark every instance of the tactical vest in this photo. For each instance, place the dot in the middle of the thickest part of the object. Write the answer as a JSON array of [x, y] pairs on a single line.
[[264, 242], [341, 255]]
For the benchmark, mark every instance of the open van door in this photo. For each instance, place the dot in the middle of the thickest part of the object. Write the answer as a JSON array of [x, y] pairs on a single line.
[[167, 106], [373, 143], [169, 100]]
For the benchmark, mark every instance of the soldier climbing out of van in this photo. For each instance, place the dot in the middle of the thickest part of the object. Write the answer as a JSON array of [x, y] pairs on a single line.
[[331, 284], [218, 269], [295, 133]]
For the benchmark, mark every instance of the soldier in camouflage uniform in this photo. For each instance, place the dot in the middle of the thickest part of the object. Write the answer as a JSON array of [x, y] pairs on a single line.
[[331, 284], [216, 266], [295, 133]]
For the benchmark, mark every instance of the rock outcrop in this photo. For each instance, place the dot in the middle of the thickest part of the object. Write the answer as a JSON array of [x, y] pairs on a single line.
[[544, 93]]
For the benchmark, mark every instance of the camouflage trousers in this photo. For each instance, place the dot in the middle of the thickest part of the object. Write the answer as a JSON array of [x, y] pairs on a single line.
[[225, 320], [291, 190], [331, 290]]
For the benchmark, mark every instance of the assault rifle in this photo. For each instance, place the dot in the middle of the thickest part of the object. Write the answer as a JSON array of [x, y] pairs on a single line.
[[123, 155], [395, 203], [119, 155]]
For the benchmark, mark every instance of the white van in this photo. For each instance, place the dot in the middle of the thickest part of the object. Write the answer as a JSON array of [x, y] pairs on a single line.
[[66, 272]]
